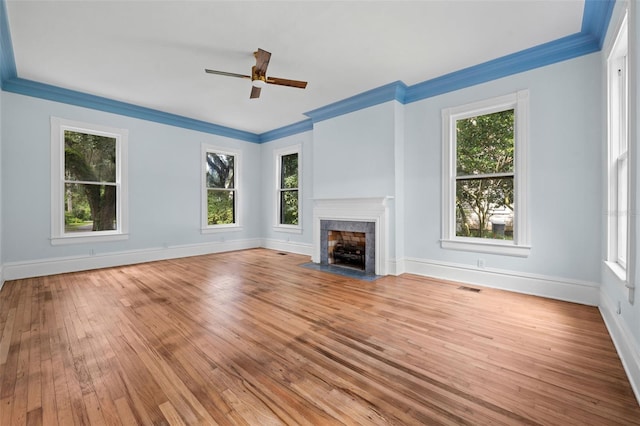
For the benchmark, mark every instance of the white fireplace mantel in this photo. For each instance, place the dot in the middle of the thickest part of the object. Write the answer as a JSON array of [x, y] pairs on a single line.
[[370, 209]]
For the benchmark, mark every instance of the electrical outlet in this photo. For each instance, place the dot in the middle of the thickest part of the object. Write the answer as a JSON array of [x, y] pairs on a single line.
[[480, 263]]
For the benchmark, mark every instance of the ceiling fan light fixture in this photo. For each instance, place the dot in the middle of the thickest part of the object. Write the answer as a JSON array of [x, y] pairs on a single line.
[[259, 83]]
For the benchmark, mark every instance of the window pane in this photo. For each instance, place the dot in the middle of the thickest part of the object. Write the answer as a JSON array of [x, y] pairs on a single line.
[[220, 173], [484, 208], [289, 207], [89, 158], [220, 207], [485, 144], [622, 211], [89, 207], [289, 171]]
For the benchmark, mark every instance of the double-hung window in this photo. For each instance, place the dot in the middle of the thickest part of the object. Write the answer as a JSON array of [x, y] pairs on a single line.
[[484, 181], [220, 189], [288, 189], [618, 164], [88, 182]]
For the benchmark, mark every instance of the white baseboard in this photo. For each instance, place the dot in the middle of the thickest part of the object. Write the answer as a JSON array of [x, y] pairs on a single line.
[[288, 246], [60, 265], [583, 292], [628, 348], [396, 267]]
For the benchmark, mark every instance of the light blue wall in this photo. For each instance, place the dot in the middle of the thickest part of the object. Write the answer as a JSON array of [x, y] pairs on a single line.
[[164, 182], [353, 154], [564, 163]]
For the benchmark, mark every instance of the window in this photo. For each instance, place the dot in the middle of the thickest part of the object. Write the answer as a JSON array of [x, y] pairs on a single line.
[[484, 182], [220, 189], [88, 185], [618, 167], [288, 192]]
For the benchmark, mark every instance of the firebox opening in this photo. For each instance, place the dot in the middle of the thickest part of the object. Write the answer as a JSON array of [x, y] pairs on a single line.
[[347, 248]]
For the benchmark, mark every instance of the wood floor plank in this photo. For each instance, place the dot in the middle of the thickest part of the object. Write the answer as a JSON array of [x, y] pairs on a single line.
[[250, 337]]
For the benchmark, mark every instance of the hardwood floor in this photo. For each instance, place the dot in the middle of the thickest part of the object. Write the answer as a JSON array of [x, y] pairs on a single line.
[[252, 338]]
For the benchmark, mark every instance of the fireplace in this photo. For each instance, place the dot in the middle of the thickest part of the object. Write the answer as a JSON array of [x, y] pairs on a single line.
[[348, 243], [352, 217], [347, 249]]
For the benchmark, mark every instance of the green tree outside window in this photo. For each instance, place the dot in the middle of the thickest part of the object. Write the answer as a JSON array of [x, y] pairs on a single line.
[[485, 175]]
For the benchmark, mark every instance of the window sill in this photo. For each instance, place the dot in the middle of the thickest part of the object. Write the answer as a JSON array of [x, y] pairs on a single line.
[[83, 239], [617, 270], [291, 229], [220, 228], [490, 247]]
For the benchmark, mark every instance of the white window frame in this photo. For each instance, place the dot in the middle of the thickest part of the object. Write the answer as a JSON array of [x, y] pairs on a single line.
[[520, 245], [618, 160], [237, 167], [58, 235], [277, 155]]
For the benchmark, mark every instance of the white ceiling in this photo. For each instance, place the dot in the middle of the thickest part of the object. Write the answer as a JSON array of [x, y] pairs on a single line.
[[153, 53]]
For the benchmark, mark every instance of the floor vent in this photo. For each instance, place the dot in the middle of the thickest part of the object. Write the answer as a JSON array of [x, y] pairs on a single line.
[[465, 288]]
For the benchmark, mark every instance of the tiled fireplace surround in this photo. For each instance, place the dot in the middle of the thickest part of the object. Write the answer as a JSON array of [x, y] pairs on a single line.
[[368, 215]]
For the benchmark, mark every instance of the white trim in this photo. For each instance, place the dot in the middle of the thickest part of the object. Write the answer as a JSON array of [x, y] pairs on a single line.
[[205, 228], [290, 229], [60, 265], [396, 266], [617, 130], [373, 209], [58, 235], [576, 291], [215, 229], [277, 158], [623, 340], [288, 246], [618, 271], [489, 246], [82, 239], [520, 245]]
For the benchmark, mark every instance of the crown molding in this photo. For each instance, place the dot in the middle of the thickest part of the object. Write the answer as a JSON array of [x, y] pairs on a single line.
[[546, 54], [596, 18], [72, 97], [389, 92], [291, 129]]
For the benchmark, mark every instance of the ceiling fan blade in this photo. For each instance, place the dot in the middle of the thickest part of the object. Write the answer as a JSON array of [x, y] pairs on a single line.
[[255, 92], [287, 82], [262, 62], [227, 74]]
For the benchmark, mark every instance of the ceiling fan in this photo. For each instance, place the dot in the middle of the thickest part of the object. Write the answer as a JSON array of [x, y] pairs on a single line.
[[259, 77]]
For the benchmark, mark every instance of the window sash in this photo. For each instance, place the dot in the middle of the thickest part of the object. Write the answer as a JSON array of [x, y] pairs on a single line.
[[232, 196], [281, 221], [283, 210]]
